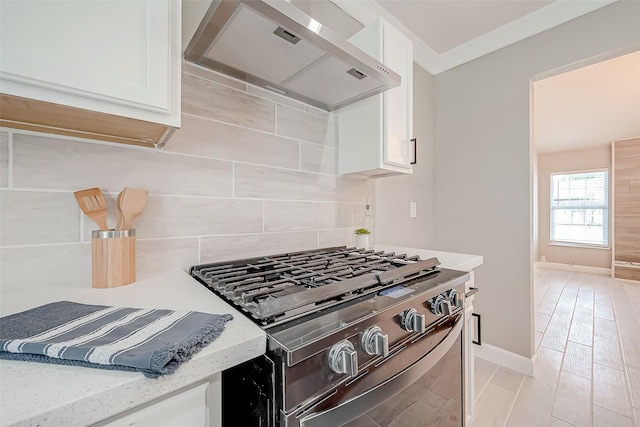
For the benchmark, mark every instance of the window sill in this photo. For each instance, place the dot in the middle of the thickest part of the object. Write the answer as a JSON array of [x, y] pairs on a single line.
[[578, 245]]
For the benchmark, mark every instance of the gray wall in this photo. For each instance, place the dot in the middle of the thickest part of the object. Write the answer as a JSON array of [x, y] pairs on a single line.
[[249, 173], [482, 196], [392, 195], [569, 161]]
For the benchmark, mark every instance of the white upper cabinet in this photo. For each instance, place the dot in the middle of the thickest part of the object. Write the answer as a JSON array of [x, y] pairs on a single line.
[[376, 133], [120, 58]]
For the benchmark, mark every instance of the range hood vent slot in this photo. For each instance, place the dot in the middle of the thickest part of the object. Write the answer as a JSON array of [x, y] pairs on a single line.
[[306, 61], [357, 74], [290, 37]]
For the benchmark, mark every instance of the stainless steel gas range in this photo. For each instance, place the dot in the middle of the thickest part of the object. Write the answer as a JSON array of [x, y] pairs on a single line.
[[355, 337]]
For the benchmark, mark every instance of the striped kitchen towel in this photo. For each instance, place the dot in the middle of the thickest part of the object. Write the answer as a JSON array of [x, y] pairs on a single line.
[[154, 342]]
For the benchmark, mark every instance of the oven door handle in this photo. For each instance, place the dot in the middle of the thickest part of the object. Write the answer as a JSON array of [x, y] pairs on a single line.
[[367, 401]]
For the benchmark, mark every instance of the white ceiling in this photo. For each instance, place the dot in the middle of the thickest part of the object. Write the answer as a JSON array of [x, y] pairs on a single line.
[[589, 106], [586, 107], [444, 25], [447, 33]]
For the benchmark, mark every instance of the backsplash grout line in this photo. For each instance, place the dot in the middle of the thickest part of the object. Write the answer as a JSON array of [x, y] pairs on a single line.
[[194, 196], [185, 237], [40, 245]]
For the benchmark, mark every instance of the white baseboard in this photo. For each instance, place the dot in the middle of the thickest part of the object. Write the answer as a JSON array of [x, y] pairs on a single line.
[[577, 268], [504, 358]]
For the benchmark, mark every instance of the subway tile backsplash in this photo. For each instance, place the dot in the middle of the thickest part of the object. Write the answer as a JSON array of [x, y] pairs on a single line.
[[307, 126], [233, 247], [205, 98], [222, 141], [38, 217], [248, 173], [59, 164]]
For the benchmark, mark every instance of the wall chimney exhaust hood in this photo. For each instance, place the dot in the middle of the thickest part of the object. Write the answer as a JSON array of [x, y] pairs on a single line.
[[274, 45]]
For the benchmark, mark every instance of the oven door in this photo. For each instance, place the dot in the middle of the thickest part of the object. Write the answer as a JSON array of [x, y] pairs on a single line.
[[421, 385]]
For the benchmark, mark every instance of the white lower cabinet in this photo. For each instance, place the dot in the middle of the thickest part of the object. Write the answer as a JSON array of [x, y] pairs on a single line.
[[197, 406], [469, 368]]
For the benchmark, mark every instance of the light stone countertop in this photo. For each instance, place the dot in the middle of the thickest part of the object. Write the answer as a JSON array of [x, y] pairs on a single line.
[[452, 260], [33, 394]]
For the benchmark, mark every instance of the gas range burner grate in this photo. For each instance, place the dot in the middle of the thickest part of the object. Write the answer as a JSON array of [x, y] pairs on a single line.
[[278, 287]]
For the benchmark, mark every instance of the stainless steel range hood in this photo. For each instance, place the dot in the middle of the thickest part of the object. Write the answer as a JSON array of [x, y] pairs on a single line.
[[272, 44]]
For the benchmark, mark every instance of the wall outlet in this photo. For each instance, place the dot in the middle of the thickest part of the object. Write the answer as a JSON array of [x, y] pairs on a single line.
[[543, 258]]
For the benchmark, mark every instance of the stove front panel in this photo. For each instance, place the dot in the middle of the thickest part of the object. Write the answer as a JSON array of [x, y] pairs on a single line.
[[305, 380]]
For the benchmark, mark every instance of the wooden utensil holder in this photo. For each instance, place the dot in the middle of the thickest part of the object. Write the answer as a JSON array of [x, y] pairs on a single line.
[[113, 258]]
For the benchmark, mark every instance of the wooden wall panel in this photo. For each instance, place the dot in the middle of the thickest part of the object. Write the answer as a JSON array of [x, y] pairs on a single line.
[[626, 208], [626, 148], [627, 273]]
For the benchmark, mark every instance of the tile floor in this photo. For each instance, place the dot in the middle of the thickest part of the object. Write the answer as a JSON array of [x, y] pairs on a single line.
[[587, 371]]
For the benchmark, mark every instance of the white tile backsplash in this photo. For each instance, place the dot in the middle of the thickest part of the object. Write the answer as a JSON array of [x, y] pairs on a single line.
[[208, 138], [33, 217], [289, 216], [173, 216], [353, 189], [191, 68], [270, 183], [205, 98], [283, 100], [46, 266], [222, 248], [154, 255], [54, 163], [336, 237], [318, 158], [307, 126], [249, 173]]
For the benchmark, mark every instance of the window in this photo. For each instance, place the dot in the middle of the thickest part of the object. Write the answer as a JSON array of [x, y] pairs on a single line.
[[579, 208]]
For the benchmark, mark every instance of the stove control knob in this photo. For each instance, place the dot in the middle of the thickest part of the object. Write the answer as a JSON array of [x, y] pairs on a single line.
[[374, 342], [412, 321], [456, 298], [343, 358], [440, 305]]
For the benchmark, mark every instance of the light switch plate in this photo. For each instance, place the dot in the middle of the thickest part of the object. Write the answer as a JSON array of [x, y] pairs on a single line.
[[413, 210]]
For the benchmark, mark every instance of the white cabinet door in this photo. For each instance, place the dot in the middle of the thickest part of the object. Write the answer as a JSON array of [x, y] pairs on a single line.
[[398, 102], [119, 57], [375, 133], [188, 408]]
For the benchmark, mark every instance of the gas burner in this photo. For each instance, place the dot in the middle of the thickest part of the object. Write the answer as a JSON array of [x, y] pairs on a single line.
[[274, 289]]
